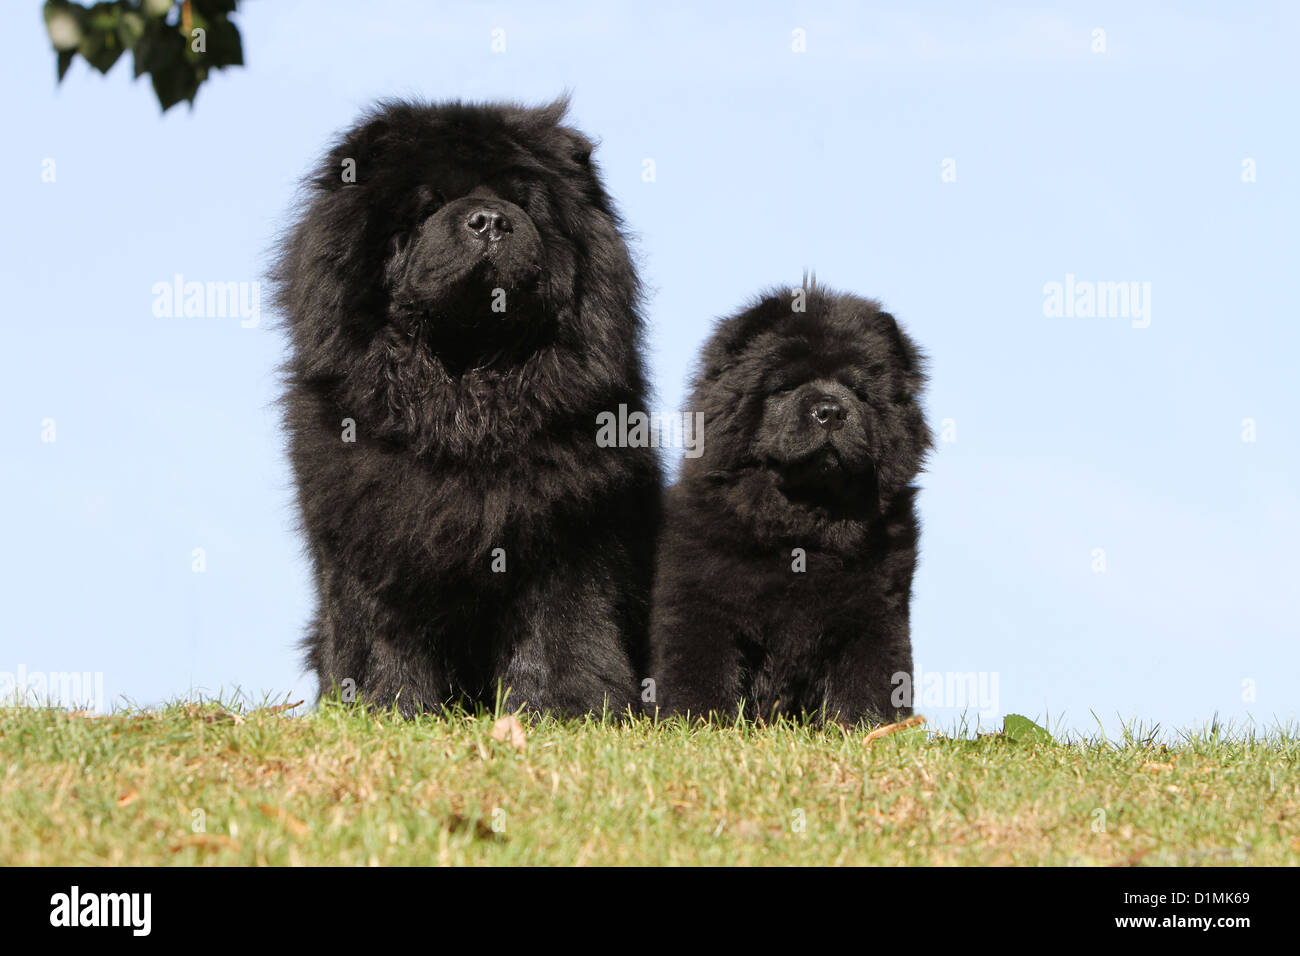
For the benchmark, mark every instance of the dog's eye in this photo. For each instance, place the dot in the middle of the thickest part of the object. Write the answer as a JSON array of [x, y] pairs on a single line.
[[536, 200], [859, 386], [527, 194], [428, 201], [416, 207]]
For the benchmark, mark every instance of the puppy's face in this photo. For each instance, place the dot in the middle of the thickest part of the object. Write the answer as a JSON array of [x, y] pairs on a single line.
[[822, 438], [463, 215], [470, 243], [820, 407], [454, 262]]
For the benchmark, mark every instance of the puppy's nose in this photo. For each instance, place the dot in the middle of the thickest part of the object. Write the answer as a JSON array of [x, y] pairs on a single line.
[[489, 224], [829, 414]]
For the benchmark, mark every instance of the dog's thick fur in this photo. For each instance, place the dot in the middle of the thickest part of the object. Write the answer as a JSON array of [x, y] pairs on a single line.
[[785, 565], [461, 306]]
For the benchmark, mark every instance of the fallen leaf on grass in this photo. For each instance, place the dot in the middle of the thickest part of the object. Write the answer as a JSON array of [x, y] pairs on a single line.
[[278, 707], [213, 715], [126, 799], [291, 823], [1020, 729], [206, 841], [749, 829], [458, 823], [914, 721], [509, 728]]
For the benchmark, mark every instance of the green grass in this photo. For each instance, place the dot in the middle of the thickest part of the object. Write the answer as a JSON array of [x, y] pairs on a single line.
[[207, 783]]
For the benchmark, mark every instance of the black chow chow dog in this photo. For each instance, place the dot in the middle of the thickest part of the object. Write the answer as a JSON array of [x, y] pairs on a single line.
[[785, 564], [461, 306]]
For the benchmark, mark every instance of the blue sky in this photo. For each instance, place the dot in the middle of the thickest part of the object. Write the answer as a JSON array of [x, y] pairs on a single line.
[[1071, 434]]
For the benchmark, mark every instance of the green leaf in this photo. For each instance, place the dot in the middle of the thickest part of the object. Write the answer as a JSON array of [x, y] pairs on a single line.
[[105, 30], [65, 61], [175, 83], [130, 29], [159, 48], [103, 17], [101, 50], [225, 48], [1023, 730], [214, 8], [65, 24]]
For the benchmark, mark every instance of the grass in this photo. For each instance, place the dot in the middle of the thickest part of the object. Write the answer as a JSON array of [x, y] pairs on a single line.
[[213, 783]]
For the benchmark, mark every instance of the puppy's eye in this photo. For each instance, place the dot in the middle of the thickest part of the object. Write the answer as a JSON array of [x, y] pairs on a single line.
[[428, 201], [530, 196], [859, 386], [415, 207]]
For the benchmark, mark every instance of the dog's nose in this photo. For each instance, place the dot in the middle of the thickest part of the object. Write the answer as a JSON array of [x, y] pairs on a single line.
[[489, 224], [829, 414]]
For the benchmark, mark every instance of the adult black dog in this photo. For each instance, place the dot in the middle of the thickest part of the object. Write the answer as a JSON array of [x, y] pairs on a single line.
[[785, 565], [461, 306]]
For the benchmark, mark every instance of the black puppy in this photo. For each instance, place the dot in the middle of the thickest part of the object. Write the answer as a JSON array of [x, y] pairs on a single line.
[[785, 565], [462, 306]]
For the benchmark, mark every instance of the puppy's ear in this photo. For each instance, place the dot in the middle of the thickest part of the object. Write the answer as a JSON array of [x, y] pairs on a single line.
[[582, 149], [553, 112], [572, 144], [577, 147], [910, 361], [732, 336], [360, 152]]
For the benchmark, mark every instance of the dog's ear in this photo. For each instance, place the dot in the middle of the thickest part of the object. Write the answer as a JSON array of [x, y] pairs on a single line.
[[354, 158], [910, 360], [579, 147], [571, 143], [733, 335], [552, 113], [582, 154]]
